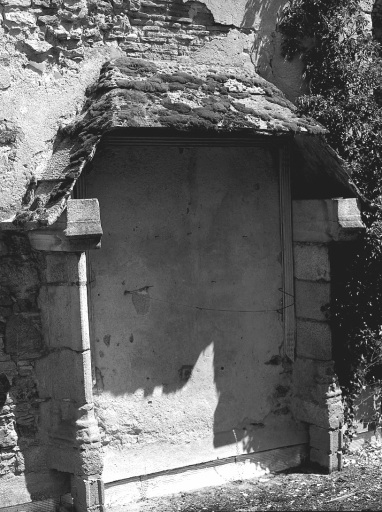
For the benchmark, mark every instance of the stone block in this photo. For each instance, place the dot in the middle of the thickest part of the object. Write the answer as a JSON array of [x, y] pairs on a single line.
[[5, 80], [308, 371], [35, 46], [314, 340], [348, 213], [9, 369], [17, 3], [8, 435], [312, 300], [328, 441], [62, 268], [88, 460], [23, 336], [311, 262], [84, 219], [312, 220], [325, 220], [87, 431], [88, 494], [61, 316], [35, 459], [329, 461], [61, 458], [3, 248], [65, 375], [327, 415], [20, 18]]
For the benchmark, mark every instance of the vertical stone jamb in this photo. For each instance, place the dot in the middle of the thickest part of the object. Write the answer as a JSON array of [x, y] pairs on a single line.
[[65, 378], [65, 374], [86, 484], [289, 324], [317, 224]]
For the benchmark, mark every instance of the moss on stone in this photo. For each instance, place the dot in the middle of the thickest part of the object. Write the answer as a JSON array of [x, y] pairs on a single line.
[[137, 93]]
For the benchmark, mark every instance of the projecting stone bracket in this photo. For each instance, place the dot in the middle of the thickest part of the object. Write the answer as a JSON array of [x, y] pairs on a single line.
[[77, 230], [326, 220]]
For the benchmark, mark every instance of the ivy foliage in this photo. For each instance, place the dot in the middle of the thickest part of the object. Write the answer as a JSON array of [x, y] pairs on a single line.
[[344, 73], [343, 70]]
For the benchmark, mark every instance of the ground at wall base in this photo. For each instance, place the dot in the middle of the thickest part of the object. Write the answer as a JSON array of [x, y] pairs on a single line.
[[357, 487]]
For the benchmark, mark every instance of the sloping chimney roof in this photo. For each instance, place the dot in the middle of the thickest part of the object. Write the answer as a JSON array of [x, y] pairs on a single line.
[[138, 94]]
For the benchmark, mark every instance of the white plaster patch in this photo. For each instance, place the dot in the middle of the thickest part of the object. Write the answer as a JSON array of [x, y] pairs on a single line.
[[20, 18], [258, 122], [234, 85], [178, 96]]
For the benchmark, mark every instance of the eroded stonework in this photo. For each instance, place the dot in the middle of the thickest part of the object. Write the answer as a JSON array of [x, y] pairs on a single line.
[[50, 51]]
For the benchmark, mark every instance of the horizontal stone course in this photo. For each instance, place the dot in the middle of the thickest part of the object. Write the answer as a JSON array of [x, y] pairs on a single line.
[[328, 441], [311, 262], [314, 340], [312, 300], [330, 461], [327, 415]]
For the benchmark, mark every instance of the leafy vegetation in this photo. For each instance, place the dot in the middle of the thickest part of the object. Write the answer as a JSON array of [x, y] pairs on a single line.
[[343, 70]]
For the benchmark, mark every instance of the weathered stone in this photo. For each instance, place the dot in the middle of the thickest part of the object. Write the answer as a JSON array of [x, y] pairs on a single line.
[[23, 336], [5, 312], [309, 373], [5, 298], [48, 20], [39, 67], [83, 219], [60, 308], [37, 46], [9, 368], [311, 262], [5, 78], [329, 461], [328, 415], [23, 18], [88, 494], [8, 436], [312, 300], [16, 3], [314, 340], [55, 380], [61, 268], [326, 220], [328, 441]]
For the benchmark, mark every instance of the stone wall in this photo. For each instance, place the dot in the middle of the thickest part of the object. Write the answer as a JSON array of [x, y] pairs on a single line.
[[51, 50], [319, 226], [23, 465]]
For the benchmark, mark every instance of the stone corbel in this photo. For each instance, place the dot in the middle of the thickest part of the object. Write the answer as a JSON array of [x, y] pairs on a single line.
[[77, 230], [327, 220]]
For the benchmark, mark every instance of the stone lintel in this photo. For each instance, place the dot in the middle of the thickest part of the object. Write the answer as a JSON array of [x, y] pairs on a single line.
[[326, 220]]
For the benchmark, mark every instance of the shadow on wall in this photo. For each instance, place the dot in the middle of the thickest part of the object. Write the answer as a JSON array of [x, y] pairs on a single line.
[[177, 305]]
